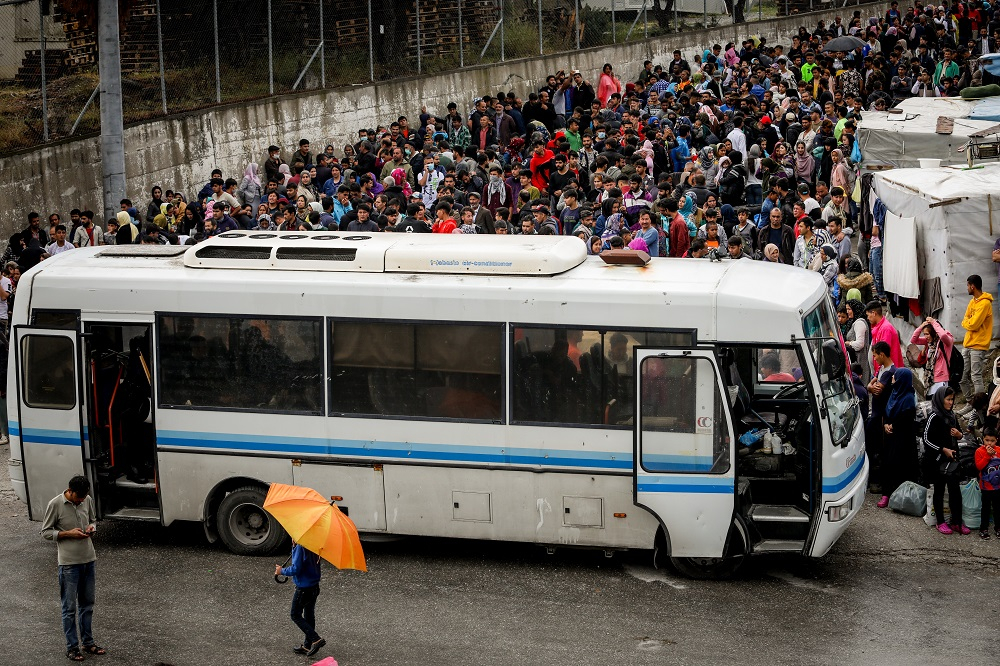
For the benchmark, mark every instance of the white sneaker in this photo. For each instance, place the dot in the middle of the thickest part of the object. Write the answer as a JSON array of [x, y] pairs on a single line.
[[4, 440]]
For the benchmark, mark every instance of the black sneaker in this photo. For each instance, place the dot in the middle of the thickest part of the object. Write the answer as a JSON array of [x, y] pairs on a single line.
[[984, 535], [314, 648], [301, 649]]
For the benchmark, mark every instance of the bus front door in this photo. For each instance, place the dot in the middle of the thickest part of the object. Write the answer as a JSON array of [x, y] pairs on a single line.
[[684, 450], [49, 421]]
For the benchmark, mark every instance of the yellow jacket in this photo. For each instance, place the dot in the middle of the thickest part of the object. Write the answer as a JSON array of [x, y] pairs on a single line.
[[978, 322]]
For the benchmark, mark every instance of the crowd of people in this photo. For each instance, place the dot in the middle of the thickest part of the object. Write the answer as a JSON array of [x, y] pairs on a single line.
[[738, 151]]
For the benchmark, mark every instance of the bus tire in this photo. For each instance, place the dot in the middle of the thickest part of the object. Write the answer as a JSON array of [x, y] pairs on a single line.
[[245, 527], [717, 568]]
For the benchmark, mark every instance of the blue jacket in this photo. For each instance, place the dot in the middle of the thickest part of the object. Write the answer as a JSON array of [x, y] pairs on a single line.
[[304, 569]]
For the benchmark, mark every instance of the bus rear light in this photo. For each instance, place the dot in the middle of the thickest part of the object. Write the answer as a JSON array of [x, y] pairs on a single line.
[[619, 515]]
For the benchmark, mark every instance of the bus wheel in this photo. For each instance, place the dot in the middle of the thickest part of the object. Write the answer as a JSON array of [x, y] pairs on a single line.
[[716, 568], [245, 527]]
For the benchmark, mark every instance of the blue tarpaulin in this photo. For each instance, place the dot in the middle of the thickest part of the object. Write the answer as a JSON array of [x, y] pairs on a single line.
[[988, 108]]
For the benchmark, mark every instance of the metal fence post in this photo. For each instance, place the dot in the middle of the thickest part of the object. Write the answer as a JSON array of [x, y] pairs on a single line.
[[614, 25], [577, 14], [704, 13], [645, 20], [159, 51], [218, 77], [461, 46], [322, 49], [416, 5], [541, 48], [41, 43], [371, 51], [270, 51], [760, 10], [501, 33]]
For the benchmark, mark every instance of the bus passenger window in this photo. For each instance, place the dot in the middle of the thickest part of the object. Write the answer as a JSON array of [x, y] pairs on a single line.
[[47, 370], [222, 362], [683, 421], [425, 370], [579, 376]]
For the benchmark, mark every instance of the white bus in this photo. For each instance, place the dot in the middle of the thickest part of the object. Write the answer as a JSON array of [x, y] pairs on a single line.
[[475, 387]]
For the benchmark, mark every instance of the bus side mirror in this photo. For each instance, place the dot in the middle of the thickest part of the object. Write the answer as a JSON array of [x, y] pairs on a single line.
[[834, 365]]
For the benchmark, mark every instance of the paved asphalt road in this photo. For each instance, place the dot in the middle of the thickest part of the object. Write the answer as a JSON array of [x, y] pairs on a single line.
[[892, 591]]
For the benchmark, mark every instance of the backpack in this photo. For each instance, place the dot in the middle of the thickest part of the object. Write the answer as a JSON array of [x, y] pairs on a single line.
[[956, 368]]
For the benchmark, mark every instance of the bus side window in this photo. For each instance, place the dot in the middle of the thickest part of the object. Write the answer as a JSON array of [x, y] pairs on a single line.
[[428, 370], [226, 362], [579, 376]]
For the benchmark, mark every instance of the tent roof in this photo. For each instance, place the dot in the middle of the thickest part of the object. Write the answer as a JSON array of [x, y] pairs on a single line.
[[923, 122], [947, 182]]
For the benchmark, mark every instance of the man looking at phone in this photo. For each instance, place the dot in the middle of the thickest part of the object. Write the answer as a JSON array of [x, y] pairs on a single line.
[[69, 521]]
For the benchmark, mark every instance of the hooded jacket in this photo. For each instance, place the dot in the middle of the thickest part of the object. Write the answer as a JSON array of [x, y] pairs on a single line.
[[978, 322], [863, 282]]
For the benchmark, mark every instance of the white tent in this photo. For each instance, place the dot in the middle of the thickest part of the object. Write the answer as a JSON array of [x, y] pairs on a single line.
[[955, 224], [902, 139]]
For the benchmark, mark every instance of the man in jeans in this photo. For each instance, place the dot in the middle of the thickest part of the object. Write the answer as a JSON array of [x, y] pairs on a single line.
[[978, 325], [69, 521], [305, 573]]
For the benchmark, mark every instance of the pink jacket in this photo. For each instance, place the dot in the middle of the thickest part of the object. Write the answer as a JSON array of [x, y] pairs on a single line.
[[941, 372], [607, 86]]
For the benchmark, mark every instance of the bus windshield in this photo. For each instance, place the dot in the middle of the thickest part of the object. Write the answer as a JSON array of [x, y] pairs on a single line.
[[826, 347]]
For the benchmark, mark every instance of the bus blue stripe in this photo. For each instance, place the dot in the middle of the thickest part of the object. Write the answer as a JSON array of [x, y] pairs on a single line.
[[686, 487], [837, 483], [61, 437]]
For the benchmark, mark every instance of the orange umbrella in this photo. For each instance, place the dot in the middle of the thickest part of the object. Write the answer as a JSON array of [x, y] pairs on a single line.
[[316, 524]]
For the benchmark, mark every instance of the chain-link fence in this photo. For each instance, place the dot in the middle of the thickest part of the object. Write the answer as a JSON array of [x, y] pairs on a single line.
[[181, 55]]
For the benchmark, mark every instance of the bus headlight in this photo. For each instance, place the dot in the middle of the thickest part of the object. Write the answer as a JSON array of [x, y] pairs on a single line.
[[839, 512]]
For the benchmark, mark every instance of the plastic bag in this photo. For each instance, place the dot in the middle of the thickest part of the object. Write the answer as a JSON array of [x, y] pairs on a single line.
[[972, 505], [909, 498], [929, 517]]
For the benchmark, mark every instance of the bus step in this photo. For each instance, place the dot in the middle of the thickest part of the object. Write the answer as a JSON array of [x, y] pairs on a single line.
[[779, 546], [778, 513], [125, 484], [135, 513]]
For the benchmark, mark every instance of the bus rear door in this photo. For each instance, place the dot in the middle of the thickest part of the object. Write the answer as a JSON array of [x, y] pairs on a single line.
[[684, 448], [50, 418]]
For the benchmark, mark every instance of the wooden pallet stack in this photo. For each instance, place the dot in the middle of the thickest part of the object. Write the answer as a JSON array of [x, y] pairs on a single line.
[[29, 74], [439, 27], [139, 46], [138, 38]]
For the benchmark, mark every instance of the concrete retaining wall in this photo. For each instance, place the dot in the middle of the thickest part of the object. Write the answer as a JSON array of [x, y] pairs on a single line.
[[180, 151]]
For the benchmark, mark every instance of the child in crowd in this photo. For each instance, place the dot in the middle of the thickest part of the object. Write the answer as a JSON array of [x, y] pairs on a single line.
[[988, 464]]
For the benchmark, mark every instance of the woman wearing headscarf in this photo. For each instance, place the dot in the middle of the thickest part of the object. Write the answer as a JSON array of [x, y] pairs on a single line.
[[940, 440], [805, 163], [772, 254], [840, 174], [285, 173], [250, 190], [899, 449], [733, 180], [859, 338], [713, 171], [939, 342], [689, 211], [754, 193]]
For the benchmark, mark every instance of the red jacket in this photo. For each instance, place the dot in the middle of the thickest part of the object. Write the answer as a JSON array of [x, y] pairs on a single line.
[[541, 167], [680, 237], [989, 469]]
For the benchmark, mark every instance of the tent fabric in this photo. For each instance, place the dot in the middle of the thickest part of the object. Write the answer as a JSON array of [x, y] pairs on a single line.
[[953, 239], [899, 258], [900, 140]]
